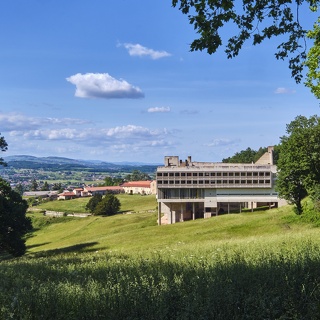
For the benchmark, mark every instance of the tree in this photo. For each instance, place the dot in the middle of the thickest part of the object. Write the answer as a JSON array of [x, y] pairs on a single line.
[[257, 20], [108, 206], [137, 175], [93, 202], [45, 186], [299, 161], [13, 221], [249, 155], [3, 147], [34, 185], [19, 189]]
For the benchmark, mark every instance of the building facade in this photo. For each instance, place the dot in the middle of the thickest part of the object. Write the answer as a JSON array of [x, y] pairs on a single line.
[[189, 190], [140, 187]]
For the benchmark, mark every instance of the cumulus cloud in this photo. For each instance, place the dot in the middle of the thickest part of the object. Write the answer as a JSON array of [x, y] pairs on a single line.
[[102, 85], [282, 90], [139, 50], [92, 134], [159, 109]]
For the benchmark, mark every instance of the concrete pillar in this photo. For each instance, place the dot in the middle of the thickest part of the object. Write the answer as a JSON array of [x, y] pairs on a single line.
[[240, 208], [193, 212], [181, 213], [228, 207], [159, 213]]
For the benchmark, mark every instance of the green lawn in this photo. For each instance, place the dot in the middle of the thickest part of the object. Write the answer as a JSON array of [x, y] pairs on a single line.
[[132, 203]]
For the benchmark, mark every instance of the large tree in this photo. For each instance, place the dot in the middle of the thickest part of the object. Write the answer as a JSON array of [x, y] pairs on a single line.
[[13, 221], [299, 160], [108, 206], [258, 20]]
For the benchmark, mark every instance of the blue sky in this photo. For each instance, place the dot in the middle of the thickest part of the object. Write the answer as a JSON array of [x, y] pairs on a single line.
[[115, 81]]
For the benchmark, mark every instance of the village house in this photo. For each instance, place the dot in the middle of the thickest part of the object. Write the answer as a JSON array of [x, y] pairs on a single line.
[[91, 191], [188, 190], [67, 195], [140, 187]]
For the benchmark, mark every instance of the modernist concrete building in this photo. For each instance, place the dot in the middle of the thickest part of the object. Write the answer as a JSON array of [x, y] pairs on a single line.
[[188, 190]]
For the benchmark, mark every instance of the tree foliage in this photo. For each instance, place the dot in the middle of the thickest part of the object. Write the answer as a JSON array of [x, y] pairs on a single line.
[[13, 221], [112, 181], [108, 206], [3, 147], [257, 21], [137, 175], [299, 161], [251, 156], [93, 202]]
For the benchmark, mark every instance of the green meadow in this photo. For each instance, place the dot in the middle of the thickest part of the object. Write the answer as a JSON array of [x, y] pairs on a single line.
[[250, 265]]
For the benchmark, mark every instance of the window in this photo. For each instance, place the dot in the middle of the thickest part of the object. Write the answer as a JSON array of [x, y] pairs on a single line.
[[189, 174], [225, 174], [171, 174], [200, 174], [225, 181], [213, 181], [183, 174], [171, 182], [177, 174], [213, 174], [200, 181], [243, 181], [165, 182], [206, 174], [249, 181], [219, 174], [243, 174], [206, 181], [249, 174], [159, 182], [189, 182], [165, 174], [231, 181], [261, 174], [231, 174], [183, 181], [267, 174], [195, 174], [267, 181], [255, 174], [237, 174], [236, 181], [159, 174]]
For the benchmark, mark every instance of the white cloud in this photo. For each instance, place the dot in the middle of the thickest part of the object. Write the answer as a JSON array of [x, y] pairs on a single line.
[[221, 142], [159, 109], [102, 85], [17, 121], [92, 134], [282, 90], [139, 50]]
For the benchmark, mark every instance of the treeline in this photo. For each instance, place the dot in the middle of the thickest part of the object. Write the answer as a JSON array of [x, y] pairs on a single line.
[[251, 156], [297, 157]]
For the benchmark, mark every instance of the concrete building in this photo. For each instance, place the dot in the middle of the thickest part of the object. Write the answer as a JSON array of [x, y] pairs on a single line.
[[188, 190]]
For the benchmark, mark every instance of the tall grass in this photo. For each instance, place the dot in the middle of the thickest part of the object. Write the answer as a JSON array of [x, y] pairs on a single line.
[[226, 283], [260, 265]]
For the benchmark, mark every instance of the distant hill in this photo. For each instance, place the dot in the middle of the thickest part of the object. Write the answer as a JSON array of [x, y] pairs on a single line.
[[61, 163]]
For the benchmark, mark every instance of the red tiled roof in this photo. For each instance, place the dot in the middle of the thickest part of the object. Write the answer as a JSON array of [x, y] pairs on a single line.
[[66, 194], [89, 189], [137, 184]]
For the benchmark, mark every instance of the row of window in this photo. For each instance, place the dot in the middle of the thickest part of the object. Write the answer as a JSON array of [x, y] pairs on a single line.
[[214, 174], [213, 182]]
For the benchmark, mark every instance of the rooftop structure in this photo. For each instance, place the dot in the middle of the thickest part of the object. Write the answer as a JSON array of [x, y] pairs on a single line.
[[189, 190]]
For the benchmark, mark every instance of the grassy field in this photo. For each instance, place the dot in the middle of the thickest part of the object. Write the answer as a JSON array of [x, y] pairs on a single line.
[[132, 203], [253, 265]]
